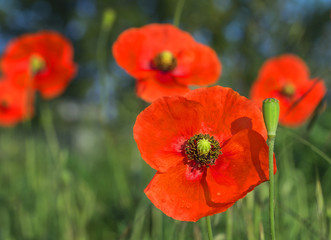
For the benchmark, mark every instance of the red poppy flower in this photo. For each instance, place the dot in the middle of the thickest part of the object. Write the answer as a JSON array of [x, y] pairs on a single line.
[[16, 104], [165, 60], [287, 78], [209, 150], [42, 60]]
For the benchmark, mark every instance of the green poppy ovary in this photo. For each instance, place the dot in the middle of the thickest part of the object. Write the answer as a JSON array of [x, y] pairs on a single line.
[[204, 146], [165, 61], [202, 149], [288, 90], [37, 64]]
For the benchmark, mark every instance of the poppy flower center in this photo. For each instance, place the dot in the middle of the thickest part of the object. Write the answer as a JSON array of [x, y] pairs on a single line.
[[37, 64], [288, 90], [203, 149], [165, 61]]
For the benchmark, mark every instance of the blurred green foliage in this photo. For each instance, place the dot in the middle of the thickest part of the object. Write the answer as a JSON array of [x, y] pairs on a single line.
[[74, 171]]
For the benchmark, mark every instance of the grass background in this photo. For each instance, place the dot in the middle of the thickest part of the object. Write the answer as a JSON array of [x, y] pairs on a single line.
[[74, 171]]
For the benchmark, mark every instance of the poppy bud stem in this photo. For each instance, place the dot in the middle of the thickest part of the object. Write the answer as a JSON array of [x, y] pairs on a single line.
[[271, 142], [271, 115]]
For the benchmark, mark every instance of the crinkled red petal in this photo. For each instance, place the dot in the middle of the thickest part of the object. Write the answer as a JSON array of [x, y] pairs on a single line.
[[201, 67], [162, 129], [179, 196], [242, 166], [150, 89], [286, 68], [226, 112]]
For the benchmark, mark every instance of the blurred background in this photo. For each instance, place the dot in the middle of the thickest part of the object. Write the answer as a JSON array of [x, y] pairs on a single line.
[[74, 171]]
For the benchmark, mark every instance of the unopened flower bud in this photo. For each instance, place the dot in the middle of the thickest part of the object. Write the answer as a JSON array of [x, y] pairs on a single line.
[[270, 111], [109, 16]]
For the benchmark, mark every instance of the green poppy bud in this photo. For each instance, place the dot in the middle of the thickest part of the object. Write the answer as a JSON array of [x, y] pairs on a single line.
[[270, 110], [109, 16]]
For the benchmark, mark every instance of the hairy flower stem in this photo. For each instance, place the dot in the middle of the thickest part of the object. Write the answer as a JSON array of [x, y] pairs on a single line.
[[209, 230], [271, 143]]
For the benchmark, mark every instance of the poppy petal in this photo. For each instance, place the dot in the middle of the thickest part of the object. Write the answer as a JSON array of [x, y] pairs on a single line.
[[161, 130], [204, 67], [226, 112], [165, 37], [52, 83], [16, 104], [285, 68], [180, 197], [243, 165], [150, 89], [56, 47], [127, 50]]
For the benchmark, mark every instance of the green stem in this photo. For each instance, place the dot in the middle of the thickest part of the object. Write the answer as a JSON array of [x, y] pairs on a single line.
[[229, 224], [50, 132], [271, 143], [248, 215], [30, 155], [109, 16], [209, 230], [178, 11]]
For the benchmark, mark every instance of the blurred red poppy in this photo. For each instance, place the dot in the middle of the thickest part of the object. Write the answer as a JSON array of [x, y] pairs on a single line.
[[16, 104], [287, 78], [209, 150], [165, 60], [42, 60]]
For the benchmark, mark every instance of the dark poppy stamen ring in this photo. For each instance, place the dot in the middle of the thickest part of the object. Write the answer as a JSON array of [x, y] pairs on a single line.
[[165, 61], [203, 149]]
